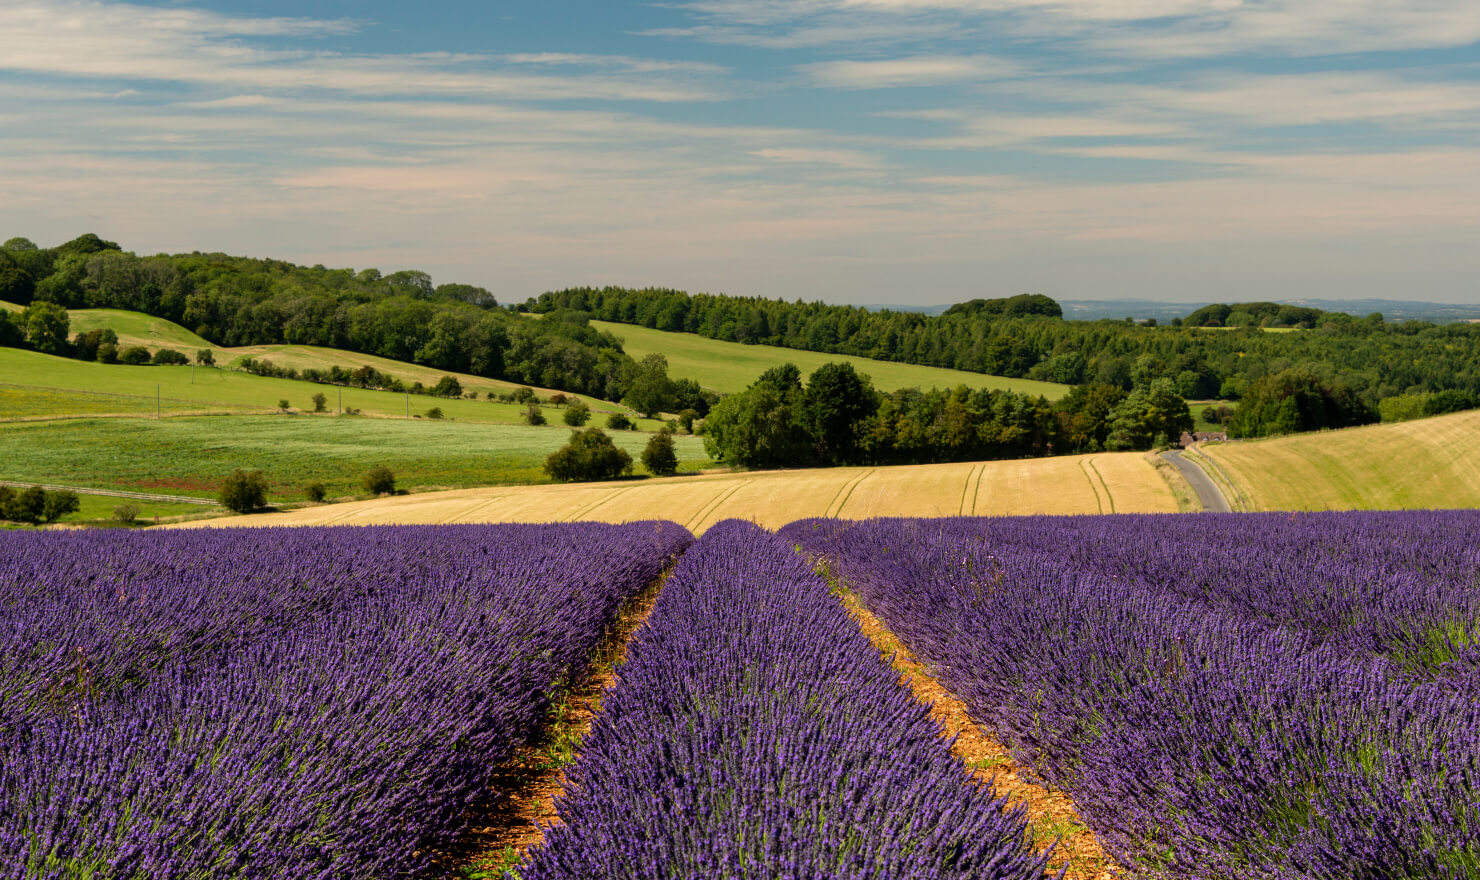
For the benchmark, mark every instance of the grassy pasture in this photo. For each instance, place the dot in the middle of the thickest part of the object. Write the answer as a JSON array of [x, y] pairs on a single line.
[[1426, 463], [38, 385], [137, 328], [729, 366], [189, 455], [1120, 482]]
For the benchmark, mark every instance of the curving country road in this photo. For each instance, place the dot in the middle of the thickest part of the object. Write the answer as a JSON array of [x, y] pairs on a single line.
[[1207, 491]]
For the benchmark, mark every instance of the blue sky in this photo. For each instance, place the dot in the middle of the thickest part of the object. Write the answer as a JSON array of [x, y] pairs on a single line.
[[867, 151]]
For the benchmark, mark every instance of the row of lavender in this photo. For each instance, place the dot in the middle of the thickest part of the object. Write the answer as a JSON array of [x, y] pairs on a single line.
[[1225, 696], [755, 733], [316, 703]]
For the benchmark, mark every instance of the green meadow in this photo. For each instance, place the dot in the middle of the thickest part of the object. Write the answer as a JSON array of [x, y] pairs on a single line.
[[189, 455], [39, 385], [730, 366]]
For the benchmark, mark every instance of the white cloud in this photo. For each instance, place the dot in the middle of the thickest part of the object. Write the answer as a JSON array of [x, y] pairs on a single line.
[[124, 42], [911, 71]]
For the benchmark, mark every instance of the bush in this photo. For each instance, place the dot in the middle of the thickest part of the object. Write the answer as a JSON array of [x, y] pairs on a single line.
[[108, 353], [434, 413], [27, 505], [380, 481], [126, 513], [205, 357], [58, 504], [686, 420], [315, 492], [320, 402], [659, 457], [134, 355], [523, 394], [590, 455], [447, 386], [283, 405], [619, 422], [576, 414], [533, 416], [168, 357], [244, 491]]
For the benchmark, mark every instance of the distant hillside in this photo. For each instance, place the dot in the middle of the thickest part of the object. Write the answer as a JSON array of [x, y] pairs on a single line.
[[728, 367], [1164, 311], [1426, 463]]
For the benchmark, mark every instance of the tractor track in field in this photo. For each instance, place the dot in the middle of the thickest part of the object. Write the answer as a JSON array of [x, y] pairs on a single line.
[[528, 783], [1051, 814]]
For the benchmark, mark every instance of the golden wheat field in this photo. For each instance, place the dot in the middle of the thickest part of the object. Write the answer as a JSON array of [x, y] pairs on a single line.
[[1104, 483], [1428, 463]]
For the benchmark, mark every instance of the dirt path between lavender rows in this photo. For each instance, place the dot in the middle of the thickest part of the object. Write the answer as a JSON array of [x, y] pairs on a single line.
[[1051, 814], [530, 781]]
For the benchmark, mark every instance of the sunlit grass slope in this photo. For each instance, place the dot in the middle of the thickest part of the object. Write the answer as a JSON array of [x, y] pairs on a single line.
[[730, 366], [1427, 463], [136, 328], [189, 455], [34, 385], [1123, 482]]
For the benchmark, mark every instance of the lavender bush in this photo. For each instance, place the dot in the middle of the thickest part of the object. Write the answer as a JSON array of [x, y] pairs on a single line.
[[755, 733], [1231, 697], [313, 703]]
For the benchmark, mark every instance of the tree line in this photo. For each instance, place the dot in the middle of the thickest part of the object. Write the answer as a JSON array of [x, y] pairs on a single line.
[[1217, 352], [837, 417], [237, 301]]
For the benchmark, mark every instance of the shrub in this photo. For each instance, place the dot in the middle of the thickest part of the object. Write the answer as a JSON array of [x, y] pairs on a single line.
[[205, 357], [283, 405], [576, 414], [590, 455], [686, 420], [27, 505], [315, 492], [58, 504], [447, 386], [434, 413], [168, 357], [134, 355], [659, 457], [380, 481], [619, 422], [108, 353], [320, 402], [126, 513], [244, 491], [523, 394], [533, 416]]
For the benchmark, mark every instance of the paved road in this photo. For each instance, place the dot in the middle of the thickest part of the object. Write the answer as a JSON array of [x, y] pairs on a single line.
[[1207, 491], [115, 493]]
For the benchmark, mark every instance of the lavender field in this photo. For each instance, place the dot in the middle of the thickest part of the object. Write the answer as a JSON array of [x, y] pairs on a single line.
[[1241, 696], [755, 733], [1265, 696], [315, 703]]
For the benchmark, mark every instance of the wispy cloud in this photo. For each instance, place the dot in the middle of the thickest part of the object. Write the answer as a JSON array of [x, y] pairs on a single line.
[[911, 71], [144, 43]]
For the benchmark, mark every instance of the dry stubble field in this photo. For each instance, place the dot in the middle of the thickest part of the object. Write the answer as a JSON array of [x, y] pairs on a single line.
[[1103, 483]]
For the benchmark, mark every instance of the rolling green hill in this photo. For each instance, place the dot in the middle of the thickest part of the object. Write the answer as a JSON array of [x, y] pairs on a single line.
[[190, 455], [727, 367], [137, 328], [34, 385]]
